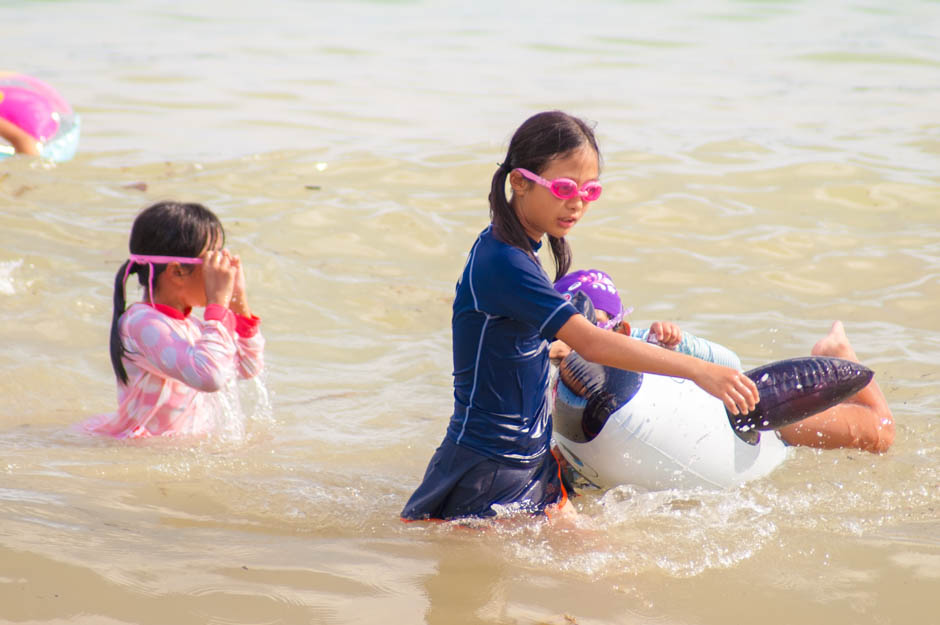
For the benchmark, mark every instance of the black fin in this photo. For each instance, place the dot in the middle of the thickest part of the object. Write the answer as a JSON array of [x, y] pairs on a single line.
[[584, 305], [796, 388], [606, 389]]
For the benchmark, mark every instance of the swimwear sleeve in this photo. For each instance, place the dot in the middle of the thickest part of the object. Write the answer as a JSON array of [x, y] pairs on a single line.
[[513, 285], [249, 345], [154, 343]]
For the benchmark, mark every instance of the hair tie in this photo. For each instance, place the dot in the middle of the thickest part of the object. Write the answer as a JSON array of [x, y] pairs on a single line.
[[506, 166]]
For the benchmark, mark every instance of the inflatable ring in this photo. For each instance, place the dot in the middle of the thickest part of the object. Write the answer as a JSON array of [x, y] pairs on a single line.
[[619, 427], [39, 110]]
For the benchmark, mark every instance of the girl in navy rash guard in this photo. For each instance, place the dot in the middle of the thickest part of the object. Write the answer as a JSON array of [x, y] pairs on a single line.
[[495, 456]]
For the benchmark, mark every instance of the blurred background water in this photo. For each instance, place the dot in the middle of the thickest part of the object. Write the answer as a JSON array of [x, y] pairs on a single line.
[[769, 166]]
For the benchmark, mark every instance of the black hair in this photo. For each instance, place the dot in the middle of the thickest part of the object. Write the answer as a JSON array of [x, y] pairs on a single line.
[[164, 229], [540, 139]]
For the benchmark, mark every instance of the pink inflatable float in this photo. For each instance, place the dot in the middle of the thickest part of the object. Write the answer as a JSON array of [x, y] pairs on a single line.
[[37, 109]]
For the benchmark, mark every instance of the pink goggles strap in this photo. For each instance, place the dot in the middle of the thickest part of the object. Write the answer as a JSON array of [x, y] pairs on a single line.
[[144, 259], [162, 260]]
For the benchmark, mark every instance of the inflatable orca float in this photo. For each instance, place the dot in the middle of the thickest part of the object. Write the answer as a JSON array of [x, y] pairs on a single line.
[[621, 427]]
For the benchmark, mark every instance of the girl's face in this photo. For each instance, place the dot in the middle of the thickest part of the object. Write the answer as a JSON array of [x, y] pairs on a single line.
[[194, 284], [538, 210]]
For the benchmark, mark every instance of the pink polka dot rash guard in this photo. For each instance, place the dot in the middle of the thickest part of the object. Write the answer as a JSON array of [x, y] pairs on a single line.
[[176, 366]]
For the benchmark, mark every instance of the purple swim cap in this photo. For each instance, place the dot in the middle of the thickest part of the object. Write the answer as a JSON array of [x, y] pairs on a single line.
[[597, 285]]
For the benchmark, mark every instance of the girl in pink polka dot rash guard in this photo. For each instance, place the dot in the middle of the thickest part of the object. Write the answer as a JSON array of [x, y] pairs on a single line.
[[175, 373]]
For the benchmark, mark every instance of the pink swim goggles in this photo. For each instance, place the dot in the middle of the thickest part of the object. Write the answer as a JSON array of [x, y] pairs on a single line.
[[144, 259], [565, 188], [614, 321]]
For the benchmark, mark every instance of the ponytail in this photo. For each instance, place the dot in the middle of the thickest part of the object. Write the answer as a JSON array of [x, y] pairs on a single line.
[[117, 347], [509, 229], [506, 224], [561, 251]]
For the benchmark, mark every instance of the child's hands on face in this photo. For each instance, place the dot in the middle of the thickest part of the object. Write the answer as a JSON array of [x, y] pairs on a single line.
[[667, 333], [219, 274]]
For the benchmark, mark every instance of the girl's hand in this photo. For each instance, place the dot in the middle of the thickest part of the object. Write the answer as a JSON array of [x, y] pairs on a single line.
[[736, 390], [219, 277], [558, 350], [239, 303], [667, 333]]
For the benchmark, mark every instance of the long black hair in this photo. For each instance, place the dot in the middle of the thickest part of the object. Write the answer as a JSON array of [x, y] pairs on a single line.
[[164, 229], [540, 139]]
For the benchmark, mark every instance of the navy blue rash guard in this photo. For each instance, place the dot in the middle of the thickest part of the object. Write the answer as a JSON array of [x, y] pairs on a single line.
[[505, 313]]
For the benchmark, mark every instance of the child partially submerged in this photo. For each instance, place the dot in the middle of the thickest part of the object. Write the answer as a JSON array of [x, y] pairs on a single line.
[[170, 366]]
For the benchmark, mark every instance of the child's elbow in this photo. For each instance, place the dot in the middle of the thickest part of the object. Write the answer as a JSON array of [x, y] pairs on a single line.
[[208, 375], [877, 439], [209, 385], [209, 380], [885, 437]]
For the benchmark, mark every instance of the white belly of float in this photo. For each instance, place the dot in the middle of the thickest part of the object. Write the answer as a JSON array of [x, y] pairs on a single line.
[[672, 434]]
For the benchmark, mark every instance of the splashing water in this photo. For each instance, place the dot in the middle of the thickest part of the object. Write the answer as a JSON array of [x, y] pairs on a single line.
[[6, 276]]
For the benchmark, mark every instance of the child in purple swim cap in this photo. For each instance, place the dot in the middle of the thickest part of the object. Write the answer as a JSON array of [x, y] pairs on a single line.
[[601, 290], [611, 315]]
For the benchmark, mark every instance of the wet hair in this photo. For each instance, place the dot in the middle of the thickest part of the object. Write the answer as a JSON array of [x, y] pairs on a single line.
[[542, 138], [164, 229]]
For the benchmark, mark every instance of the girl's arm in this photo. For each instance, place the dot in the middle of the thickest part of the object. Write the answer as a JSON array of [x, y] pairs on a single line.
[[249, 346], [250, 343], [22, 141], [239, 301], [736, 390]]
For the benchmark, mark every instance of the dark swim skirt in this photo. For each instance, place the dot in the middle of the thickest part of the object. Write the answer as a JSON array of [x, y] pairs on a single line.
[[462, 483]]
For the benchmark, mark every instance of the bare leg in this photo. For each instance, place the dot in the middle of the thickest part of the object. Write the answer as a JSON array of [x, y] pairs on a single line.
[[863, 421]]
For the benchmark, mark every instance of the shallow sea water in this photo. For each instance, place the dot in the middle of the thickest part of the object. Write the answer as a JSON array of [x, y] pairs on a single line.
[[768, 167]]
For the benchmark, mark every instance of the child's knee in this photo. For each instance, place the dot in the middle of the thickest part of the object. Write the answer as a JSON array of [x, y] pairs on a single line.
[[885, 434]]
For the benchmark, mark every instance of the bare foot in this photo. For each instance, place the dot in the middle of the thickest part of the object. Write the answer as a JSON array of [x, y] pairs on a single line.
[[835, 344]]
